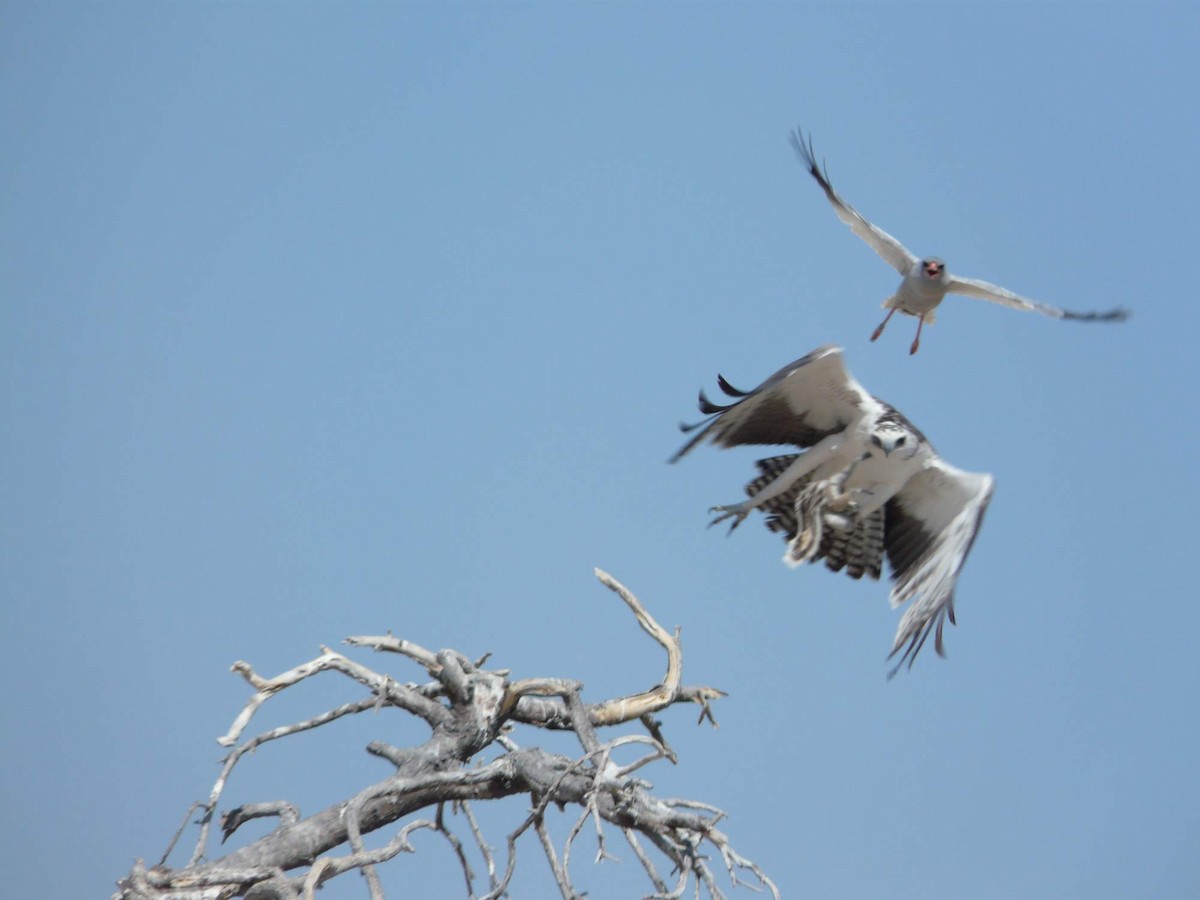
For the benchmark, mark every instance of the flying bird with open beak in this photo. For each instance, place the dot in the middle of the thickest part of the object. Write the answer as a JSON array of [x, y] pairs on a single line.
[[926, 280]]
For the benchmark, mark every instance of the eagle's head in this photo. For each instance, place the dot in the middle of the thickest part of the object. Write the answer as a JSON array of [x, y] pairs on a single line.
[[893, 436]]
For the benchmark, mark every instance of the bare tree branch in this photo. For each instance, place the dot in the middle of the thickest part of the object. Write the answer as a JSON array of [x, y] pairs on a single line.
[[560, 874], [550, 714], [468, 709], [450, 836], [484, 849]]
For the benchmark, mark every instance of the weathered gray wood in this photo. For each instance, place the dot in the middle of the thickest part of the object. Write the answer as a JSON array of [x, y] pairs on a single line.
[[466, 708]]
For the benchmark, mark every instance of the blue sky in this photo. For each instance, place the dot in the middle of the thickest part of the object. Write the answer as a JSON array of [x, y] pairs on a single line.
[[324, 320]]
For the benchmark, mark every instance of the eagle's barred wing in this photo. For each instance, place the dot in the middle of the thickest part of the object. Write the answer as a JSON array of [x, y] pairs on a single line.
[[931, 524], [983, 290], [801, 404], [896, 254], [858, 550]]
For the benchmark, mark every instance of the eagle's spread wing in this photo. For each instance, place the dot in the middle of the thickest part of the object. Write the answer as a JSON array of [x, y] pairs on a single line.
[[801, 404], [858, 550], [982, 290], [896, 254], [931, 524], [857, 493]]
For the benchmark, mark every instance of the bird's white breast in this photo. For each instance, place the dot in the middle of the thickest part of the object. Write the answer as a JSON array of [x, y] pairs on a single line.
[[879, 477], [918, 295]]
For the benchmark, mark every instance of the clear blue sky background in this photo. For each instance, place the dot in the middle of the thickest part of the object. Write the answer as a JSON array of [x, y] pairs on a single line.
[[324, 320]]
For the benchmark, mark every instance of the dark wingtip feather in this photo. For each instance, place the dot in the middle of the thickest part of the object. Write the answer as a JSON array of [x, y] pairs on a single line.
[[938, 644], [708, 407], [710, 411], [729, 388], [687, 427], [809, 157], [805, 149], [1120, 314], [915, 643]]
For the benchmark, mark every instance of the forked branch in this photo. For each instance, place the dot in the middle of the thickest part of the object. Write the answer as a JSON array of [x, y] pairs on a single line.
[[467, 709]]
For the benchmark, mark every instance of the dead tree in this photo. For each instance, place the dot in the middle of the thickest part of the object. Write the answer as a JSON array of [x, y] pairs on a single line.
[[469, 710]]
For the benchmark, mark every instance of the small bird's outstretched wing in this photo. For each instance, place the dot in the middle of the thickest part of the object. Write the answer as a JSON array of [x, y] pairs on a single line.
[[896, 254], [804, 402], [982, 290], [931, 524]]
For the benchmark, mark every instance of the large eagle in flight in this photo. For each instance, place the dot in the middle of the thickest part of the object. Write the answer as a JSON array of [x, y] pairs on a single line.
[[868, 484], [926, 281]]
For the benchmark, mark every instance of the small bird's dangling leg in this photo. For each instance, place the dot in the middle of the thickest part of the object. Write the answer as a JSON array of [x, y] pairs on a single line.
[[917, 340], [878, 331]]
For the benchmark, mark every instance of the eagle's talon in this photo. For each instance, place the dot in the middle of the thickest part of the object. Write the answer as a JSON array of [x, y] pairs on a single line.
[[736, 511]]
